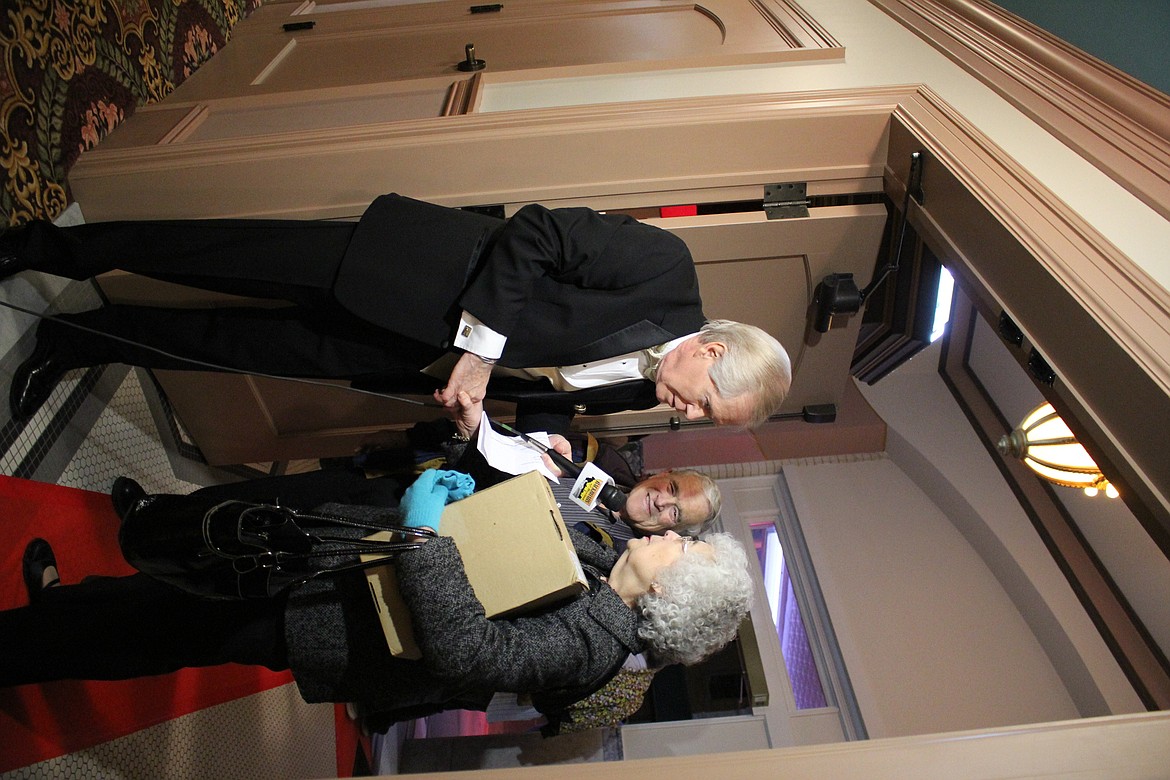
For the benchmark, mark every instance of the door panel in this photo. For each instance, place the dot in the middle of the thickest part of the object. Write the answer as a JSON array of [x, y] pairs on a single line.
[[394, 54], [247, 419], [351, 44], [750, 268]]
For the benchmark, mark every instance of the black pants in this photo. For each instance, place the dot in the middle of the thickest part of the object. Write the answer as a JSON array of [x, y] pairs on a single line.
[[118, 628], [293, 261]]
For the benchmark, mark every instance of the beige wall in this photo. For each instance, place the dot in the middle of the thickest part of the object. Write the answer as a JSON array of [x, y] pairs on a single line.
[[936, 445], [950, 611], [1005, 639], [931, 640]]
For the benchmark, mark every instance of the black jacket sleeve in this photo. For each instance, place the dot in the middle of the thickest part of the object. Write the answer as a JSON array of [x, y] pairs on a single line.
[[573, 246]]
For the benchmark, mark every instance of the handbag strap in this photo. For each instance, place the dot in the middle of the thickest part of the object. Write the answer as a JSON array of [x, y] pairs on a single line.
[[336, 546]]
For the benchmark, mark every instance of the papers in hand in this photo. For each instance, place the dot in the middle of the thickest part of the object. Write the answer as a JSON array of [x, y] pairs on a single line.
[[509, 453]]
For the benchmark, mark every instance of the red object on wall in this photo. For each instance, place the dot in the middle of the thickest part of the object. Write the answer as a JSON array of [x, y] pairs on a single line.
[[679, 211]]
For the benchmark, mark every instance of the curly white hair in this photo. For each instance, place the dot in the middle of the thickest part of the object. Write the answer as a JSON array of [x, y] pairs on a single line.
[[699, 603]]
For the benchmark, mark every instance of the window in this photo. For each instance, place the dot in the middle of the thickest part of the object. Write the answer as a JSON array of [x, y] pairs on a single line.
[[801, 663], [794, 644], [942, 306]]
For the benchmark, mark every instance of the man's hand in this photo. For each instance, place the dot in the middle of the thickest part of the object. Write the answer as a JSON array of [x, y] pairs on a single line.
[[470, 375], [467, 415], [561, 445]]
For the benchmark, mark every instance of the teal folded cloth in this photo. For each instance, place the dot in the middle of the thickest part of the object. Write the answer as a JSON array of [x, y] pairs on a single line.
[[422, 503]]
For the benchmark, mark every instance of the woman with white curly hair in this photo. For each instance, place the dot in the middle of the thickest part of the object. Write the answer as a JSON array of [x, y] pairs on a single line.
[[673, 598], [695, 603]]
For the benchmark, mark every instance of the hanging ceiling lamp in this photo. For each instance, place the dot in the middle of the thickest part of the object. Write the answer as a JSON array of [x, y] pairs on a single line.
[[1045, 443]]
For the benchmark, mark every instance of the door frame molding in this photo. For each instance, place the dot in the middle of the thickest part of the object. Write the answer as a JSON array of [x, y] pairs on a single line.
[[1099, 320], [1116, 122]]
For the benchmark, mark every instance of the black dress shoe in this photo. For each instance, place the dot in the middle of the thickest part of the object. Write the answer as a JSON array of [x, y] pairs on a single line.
[[34, 379], [10, 264], [124, 495], [11, 240], [38, 556]]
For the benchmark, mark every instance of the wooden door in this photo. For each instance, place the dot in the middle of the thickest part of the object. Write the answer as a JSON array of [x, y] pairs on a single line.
[[751, 269], [289, 47]]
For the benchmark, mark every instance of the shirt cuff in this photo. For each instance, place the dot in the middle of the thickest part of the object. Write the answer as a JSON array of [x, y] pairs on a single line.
[[474, 336]]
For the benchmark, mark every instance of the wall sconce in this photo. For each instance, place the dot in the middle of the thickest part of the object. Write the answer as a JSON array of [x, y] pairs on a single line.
[[1047, 446]]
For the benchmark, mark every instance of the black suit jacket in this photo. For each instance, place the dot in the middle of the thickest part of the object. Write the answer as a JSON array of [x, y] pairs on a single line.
[[565, 286]]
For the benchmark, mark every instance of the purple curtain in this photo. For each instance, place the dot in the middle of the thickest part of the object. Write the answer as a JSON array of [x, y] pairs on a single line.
[[802, 671]]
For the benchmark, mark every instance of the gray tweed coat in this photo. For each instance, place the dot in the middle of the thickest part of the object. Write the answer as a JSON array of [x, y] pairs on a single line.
[[337, 651]]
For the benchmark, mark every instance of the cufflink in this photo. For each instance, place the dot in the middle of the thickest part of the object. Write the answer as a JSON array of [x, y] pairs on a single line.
[[579, 408], [466, 331]]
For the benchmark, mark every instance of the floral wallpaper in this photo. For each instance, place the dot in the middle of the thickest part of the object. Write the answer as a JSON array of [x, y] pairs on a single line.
[[72, 70]]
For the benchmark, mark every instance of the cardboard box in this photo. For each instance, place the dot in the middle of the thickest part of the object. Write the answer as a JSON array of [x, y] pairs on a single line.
[[515, 549]]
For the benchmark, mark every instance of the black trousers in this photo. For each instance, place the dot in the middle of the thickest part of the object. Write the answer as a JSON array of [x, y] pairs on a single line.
[[119, 628], [294, 261]]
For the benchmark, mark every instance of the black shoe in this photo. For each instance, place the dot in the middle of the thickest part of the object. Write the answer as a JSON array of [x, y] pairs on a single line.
[[124, 495], [38, 556], [11, 240], [35, 378]]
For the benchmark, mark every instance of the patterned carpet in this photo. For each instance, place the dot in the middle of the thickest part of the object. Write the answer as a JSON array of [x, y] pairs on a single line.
[[74, 69]]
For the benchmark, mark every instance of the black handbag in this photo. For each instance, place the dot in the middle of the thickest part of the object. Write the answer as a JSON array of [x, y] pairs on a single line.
[[244, 550]]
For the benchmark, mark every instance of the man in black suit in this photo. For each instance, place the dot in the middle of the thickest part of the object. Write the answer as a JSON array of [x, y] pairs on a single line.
[[564, 310]]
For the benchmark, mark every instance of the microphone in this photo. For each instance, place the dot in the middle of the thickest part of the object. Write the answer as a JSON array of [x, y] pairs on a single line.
[[611, 496]]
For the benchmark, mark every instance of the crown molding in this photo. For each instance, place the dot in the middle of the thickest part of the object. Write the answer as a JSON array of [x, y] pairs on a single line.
[[1116, 122]]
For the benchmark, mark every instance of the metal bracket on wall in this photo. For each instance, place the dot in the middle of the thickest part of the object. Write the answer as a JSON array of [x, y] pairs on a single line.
[[1009, 331], [787, 200], [1039, 369]]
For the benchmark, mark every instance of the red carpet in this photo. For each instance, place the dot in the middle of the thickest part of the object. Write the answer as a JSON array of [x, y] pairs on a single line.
[[38, 722]]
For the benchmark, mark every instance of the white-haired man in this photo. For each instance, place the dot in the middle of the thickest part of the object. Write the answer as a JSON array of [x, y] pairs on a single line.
[[563, 310]]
